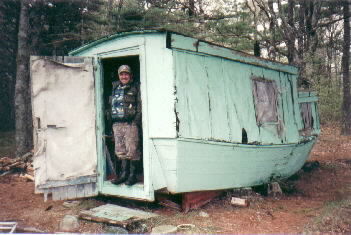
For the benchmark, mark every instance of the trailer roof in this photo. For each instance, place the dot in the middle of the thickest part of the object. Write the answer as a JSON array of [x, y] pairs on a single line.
[[192, 44]]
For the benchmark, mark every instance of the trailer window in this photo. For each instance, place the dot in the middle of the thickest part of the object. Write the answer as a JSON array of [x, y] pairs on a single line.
[[265, 97]]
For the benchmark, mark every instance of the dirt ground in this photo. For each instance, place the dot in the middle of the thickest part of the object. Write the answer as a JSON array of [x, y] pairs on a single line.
[[316, 199]]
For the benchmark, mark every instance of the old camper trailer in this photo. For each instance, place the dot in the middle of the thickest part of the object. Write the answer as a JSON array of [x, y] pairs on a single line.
[[212, 118]]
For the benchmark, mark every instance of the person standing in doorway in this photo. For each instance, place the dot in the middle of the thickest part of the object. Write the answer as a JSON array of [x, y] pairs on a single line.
[[126, 118]]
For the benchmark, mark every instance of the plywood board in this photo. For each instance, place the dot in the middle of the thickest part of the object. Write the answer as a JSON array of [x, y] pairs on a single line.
[[113, 214]]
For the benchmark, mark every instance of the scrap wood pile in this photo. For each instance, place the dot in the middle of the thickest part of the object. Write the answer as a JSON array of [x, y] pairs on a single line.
[[17, 165]]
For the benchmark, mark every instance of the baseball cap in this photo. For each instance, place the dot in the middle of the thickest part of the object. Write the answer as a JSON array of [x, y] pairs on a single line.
[[124, 68]]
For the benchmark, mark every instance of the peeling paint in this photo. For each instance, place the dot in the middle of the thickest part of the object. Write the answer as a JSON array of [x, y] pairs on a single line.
[[211, 103]]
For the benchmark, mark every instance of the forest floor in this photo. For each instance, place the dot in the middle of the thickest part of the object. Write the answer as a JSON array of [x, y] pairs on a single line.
[[318, 200]]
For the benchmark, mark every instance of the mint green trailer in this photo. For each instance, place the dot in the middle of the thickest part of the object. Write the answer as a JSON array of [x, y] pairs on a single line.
[[213, 118]]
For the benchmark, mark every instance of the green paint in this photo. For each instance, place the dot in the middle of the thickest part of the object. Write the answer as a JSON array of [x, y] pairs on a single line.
[[207, 92], [203, 165], [185, 43]]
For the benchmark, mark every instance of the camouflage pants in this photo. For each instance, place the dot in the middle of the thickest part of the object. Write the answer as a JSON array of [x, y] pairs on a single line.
[[126, 141]]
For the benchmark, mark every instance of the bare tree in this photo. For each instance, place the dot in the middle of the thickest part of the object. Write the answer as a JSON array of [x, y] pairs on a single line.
[[346, 107]]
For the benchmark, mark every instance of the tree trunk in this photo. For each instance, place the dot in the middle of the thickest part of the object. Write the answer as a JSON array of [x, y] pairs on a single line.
[[257, 49], [9, 15], [22, 90], [346, 107], [272, 53], [291, 33], [119, 18], [191, 8], [300, 39]]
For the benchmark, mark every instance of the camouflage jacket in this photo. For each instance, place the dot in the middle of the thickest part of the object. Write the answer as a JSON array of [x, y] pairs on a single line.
[[125, 103]]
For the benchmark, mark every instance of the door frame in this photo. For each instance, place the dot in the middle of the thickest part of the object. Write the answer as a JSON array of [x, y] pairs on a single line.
[[144, 192]]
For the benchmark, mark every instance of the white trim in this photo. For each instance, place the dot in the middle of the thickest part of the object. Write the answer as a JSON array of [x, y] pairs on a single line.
[[146, 192]]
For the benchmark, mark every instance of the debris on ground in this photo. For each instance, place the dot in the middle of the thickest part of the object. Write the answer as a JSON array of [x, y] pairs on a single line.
[[27, 177], [115, 230], [69, 223], [71, 204], [49, 208], [310, 166], [184, 227], [8, 227], [274, 190], [239, 202], [204, 214], [164, 229], [138, 227], [21, 229], [18, 164], [168, 203], [246, 193]]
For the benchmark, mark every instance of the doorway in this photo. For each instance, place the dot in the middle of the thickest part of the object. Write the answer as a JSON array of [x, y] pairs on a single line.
[[113, 165]]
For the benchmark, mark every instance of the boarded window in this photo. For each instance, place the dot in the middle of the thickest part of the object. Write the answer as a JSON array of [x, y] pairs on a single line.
[[265, 95], [306, 114]]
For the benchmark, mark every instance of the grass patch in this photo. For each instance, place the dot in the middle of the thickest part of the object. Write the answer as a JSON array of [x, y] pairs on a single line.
[[335, 218]]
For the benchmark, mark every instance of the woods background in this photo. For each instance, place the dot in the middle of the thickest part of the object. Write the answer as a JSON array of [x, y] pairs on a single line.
[[311, 34]]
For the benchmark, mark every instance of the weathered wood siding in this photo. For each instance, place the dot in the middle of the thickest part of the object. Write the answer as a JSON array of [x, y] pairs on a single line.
[[215, 100], [197, 98], [63, 104], [206, 165]]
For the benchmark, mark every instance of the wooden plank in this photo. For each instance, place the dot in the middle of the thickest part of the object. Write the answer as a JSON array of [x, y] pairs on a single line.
[[75, 181], [80, 190], [89, 190], [72, 192], [55, 194], [116, 215], [62, 191]]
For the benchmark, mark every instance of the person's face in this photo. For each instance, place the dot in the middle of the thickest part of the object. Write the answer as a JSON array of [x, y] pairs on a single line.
[[125, 77]]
